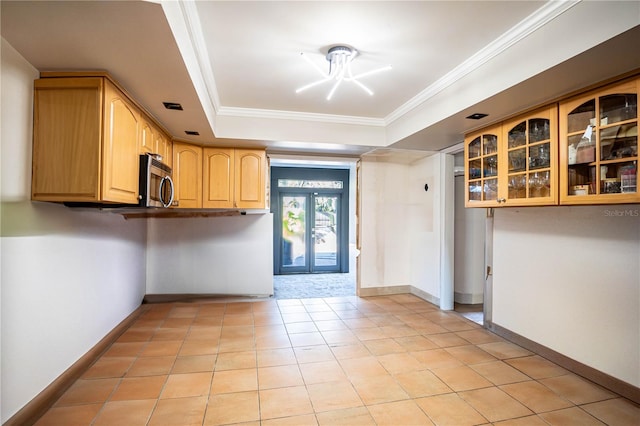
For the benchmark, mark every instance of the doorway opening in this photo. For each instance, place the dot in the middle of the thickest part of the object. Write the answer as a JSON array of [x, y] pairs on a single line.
[[470, 253], [311, 210]]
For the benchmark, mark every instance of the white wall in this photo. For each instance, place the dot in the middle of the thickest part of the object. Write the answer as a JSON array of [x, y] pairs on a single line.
[[569, 279], [68, 277], [401, 223], [217, 255], [469, 249]]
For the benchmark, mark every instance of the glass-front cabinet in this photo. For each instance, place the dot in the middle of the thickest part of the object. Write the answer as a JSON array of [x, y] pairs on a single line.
[[514, 164], [599, 146], [481, 170], [531, 148]]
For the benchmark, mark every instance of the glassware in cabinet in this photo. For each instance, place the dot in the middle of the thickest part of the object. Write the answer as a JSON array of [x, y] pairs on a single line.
[[531, 147], [599, 146]]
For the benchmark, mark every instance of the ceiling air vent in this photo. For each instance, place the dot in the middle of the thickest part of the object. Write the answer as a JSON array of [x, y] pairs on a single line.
[[477, 116], [172, 105], [192, 133]]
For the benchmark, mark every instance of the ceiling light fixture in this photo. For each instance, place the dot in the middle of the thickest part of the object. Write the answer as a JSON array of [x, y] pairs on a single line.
[[340, 58]]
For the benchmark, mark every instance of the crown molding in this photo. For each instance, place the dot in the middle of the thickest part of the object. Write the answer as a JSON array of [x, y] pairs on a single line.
[[300, 116], [548, 12]]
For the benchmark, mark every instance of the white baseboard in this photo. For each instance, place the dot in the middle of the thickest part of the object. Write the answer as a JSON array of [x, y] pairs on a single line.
[[468, 298], [398, 289]]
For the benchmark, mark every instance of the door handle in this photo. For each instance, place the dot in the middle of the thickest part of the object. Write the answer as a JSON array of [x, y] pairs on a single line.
[[489, 272]]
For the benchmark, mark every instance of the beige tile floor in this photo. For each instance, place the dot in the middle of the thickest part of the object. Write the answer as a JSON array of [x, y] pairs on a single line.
[[392, 360]]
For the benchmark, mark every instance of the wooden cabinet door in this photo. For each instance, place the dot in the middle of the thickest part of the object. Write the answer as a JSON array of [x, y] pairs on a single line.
[[599, 146], [250, 175], [218, 178], [483, 161], [529, 166], [187, 175], [120, 151], [66, 139], [147, 138], [164, 147]]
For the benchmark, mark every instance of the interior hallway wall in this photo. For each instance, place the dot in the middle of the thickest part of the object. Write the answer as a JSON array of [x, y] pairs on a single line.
[[569, 279], [401, 224], [68, 277]]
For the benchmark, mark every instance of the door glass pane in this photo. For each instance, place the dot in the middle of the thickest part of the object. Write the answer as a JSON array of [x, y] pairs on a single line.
[[475, 170], [581, 117], [518, 186], [539, 184], [618, 107], [517, 135], [490, 189], [539, 156], [303, 183], [474, 148], [517, 160], [325, 231], [618, 177], [475, 191], [539, 130], [490, 166], [619, 141], [490, 144], [293, 230]]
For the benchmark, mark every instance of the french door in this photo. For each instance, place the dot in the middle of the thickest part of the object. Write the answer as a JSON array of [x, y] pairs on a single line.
[[310, 224], [310, 232]]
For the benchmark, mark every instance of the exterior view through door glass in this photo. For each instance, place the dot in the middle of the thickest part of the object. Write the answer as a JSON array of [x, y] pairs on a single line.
[[294, 230], [310, 233], [310, 220], [325, 231]]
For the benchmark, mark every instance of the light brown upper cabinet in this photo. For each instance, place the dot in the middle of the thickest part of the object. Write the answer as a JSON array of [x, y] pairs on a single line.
[[85, 142], [187, 175], [599, 146], [514, 163], [155, 141], [234, 178], [147, 138], [531, 146], [164, 147], [218, 178], [482, 162], [250, 178]]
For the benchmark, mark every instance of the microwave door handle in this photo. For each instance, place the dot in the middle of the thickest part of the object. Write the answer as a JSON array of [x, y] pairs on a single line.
[[162, 182]]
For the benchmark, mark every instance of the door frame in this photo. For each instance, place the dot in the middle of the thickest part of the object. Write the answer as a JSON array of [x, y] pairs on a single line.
[[343, 220]]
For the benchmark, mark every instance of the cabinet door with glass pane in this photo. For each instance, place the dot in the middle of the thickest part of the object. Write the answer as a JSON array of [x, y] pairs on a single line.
[[482, 161], [531, 146], [599, 146]]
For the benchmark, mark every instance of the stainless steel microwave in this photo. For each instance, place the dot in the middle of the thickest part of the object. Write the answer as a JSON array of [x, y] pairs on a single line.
[[156, 185]]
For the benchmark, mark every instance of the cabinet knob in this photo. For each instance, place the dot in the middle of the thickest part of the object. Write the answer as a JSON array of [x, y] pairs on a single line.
[[502, 200]]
